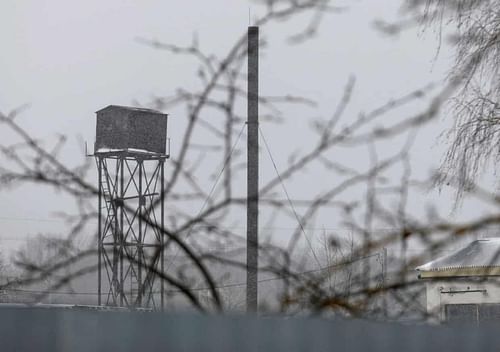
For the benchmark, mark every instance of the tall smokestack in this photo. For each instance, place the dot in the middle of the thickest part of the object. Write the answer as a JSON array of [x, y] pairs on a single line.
[[253, 170]]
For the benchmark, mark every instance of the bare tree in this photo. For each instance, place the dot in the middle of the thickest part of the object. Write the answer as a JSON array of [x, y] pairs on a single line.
[[473, 30], [200, 230]]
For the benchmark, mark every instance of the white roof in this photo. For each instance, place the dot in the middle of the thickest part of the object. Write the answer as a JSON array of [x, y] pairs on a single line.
[[477, 254]]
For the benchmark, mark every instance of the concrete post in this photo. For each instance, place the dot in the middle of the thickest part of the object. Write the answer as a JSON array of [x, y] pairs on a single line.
[[253, 169]]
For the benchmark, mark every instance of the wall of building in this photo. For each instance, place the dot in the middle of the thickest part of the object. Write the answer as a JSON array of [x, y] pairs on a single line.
[[441, 292]]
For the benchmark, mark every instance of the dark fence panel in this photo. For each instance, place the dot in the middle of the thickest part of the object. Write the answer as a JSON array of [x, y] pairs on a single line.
[[85, 330]]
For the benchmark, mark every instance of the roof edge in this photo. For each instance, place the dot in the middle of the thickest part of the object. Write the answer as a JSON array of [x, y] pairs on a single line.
[[131, 108], [460, 272]]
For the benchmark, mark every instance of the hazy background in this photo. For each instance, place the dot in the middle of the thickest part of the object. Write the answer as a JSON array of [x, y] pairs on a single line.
[[67, 59]]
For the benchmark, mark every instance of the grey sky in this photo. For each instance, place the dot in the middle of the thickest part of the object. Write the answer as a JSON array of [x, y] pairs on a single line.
[[68, 59]]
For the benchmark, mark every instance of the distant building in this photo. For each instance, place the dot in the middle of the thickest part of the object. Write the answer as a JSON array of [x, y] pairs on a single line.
[[464, 286]]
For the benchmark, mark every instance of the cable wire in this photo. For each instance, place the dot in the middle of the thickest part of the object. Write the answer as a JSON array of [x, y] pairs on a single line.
[[288, 198], [239, 284], [226, 162]]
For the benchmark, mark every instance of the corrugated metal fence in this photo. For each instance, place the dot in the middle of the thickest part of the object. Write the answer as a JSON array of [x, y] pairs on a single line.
[[74, 330]]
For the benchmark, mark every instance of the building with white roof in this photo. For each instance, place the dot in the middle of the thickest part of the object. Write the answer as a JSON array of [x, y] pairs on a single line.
[[464, 286]]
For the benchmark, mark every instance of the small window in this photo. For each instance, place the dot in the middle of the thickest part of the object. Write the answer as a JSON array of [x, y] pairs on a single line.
[[472, 313], [489, 313], [461, 313]]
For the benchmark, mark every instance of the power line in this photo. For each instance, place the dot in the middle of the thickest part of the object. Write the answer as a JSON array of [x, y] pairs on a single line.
[[8, 218], [239, 284]]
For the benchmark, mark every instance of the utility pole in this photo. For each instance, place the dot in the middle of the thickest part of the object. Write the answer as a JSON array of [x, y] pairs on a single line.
[[253, 169]]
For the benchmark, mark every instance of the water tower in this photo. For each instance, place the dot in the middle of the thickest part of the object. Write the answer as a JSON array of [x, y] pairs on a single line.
[[130, 152]]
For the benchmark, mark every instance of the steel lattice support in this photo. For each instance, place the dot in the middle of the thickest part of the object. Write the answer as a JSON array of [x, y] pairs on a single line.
[[129, 229]]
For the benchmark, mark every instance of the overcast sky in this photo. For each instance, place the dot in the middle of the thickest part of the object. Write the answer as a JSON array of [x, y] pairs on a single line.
[[67, 59]]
